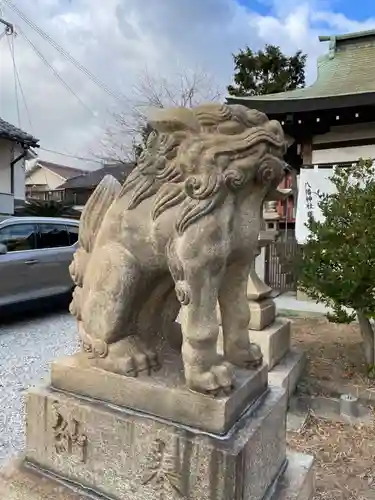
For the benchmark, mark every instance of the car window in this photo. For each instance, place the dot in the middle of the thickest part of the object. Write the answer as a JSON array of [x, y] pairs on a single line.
[[18, 237], [73, 234], [52, 236]]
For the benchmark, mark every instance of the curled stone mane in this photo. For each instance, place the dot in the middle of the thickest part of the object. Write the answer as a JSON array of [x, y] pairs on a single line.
[[196, 163]]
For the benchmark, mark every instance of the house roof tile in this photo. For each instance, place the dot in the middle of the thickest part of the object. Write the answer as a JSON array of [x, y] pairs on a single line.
[[91, 179], [63, 171], [12, 133]]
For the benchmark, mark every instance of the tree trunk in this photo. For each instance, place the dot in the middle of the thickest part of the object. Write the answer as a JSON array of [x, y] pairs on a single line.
[[367, 333]]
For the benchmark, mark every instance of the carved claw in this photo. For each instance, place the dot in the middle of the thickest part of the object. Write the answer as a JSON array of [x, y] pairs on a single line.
[[130, 366], [249, 357], [129, 357], [216, 382]]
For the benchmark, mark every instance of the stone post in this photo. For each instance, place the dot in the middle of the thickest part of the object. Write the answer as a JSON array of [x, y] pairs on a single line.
[[272, 334], [262, 306]]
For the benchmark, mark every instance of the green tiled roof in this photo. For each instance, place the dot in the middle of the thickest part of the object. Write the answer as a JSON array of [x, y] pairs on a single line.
[[347, 69]]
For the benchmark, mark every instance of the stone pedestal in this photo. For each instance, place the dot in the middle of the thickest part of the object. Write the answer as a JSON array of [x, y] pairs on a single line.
[[22, 481], [128, 455], [163, 394], [273, 335], [94, 434]]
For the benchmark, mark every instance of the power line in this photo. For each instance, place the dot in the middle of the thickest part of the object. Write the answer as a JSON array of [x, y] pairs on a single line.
[[11, 50], [81, 158], [63, 52], [17, 81], [23, 94], [55, 72]]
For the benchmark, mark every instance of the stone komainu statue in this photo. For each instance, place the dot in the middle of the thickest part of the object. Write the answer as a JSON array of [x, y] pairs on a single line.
[[179, 234]]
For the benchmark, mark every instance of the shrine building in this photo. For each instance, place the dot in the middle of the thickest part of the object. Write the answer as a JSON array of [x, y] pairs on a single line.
[[329, 123], [333, 120]]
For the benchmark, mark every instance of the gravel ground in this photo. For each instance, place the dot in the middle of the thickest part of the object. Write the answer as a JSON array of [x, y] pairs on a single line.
[[27, 347]]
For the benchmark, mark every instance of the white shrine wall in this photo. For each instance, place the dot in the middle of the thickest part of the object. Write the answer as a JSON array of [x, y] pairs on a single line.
[[340, 134]]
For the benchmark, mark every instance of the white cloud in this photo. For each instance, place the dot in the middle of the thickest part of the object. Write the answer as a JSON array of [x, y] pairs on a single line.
[[117, 39]]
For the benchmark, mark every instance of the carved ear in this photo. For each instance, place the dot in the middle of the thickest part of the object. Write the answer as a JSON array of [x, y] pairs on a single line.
[[173, 119]]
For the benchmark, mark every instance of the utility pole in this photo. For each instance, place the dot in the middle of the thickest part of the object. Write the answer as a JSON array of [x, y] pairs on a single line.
[[9, 27]]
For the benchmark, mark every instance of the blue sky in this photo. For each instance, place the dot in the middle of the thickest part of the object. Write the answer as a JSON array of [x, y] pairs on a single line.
[[359, 10], [120, 40]]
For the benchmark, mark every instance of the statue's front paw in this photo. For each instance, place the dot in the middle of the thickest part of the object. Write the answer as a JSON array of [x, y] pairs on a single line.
[[249, 357], [218, 380], [129, 357]]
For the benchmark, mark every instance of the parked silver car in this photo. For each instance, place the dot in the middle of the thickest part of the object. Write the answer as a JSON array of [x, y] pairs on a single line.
[[35, 253]]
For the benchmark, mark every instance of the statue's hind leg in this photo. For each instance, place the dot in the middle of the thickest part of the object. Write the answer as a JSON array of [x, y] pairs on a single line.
[[110, 286], [157, 318]]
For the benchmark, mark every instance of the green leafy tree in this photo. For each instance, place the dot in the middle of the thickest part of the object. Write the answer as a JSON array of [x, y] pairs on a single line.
[[267, 71], [338, 261]]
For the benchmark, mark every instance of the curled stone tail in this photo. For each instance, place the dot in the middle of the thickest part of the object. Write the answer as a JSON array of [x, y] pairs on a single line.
[[95, 209], [92, 216]]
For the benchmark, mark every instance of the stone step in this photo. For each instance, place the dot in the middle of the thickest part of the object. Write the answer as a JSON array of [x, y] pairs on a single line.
[[297, 482], [274, 341], [288, 371]]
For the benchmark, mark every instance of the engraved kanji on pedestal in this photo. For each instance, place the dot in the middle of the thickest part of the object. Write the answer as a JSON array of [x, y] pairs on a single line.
[[67, 434]]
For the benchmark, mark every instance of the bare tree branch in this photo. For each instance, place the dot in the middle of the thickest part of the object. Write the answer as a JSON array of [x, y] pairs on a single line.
[[185, 89]]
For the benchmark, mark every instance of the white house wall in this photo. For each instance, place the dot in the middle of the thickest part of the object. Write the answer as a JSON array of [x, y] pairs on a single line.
[[5, 159], [19, 175], [8, 152]]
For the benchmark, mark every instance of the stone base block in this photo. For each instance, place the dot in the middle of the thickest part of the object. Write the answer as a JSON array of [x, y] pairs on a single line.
[[164, 394], [274, 341], [19, 481], [262, 313], [126, 455], [287, 373], [297, 482]]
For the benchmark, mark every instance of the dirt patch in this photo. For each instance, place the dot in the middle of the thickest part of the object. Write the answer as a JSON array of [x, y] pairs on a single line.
[[334, 354], [344, 453], [344, 458]]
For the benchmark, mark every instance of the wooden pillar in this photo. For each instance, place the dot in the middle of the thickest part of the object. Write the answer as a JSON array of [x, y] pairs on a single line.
[[306, 151]]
